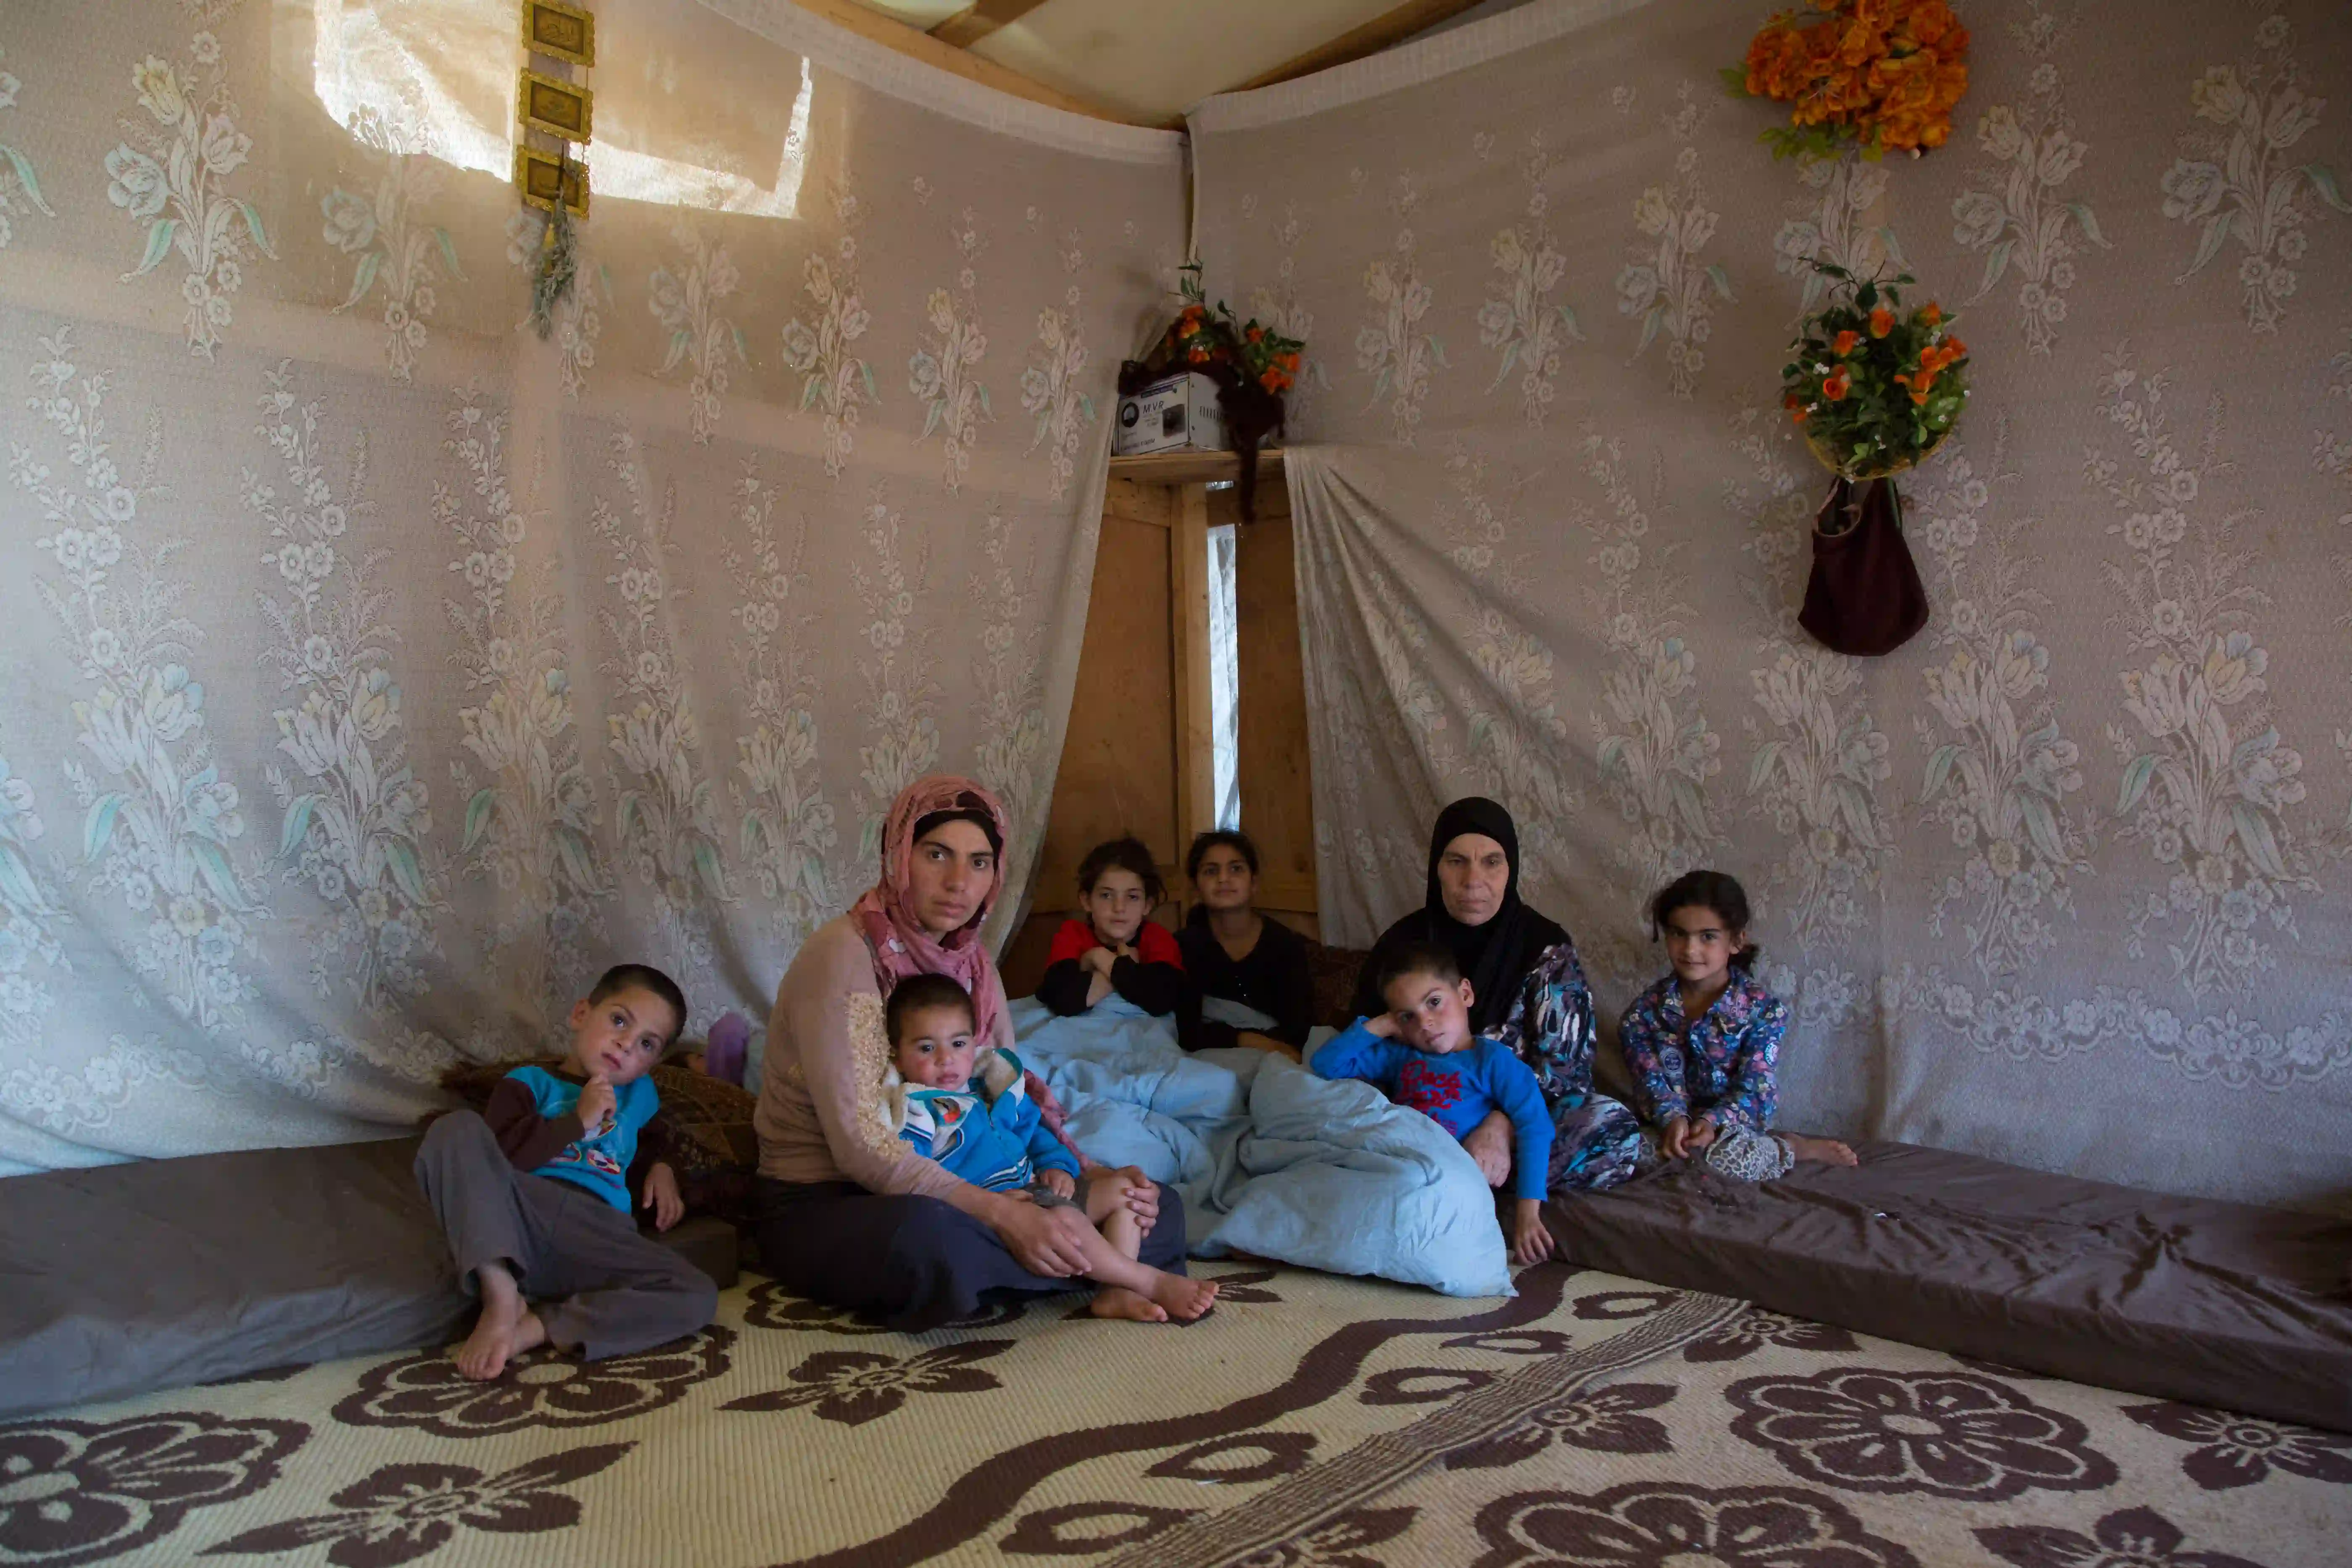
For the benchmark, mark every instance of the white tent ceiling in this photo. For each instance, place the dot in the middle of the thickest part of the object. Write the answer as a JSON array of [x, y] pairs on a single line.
[[1151, 62]]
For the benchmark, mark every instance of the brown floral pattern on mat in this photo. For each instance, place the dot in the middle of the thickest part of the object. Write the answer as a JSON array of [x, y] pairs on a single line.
[[2240, 1450], [1660, 1524], [76, 1491], [853, 1388], [769, 1305], [2131, 1538], [1245, 1287], [1519, 1341], [1082, 1529], [1744, 1336], [1600, 1421], [401, 1512], [990, 1490], [1339, 1541], [1225, 1461], [1422, 1385], [1954, 1435], [540, 1388], [1619, 1306]]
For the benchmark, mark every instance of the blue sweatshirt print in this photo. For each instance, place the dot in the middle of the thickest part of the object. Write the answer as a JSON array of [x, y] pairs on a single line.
[[1455, 1090], [1000, 1144], [599, 1159]]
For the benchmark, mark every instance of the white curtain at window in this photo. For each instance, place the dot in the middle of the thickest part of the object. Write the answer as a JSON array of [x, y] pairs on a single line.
[[1225, 675], [377, 673], [2064, 880]]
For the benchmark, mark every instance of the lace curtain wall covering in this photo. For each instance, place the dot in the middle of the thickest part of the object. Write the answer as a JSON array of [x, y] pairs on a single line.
[[2065, 879], [377, 674]]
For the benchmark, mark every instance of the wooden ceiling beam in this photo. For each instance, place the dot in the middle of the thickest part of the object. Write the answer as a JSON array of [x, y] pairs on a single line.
[[1384, 31], [975, 22], [916, 44]]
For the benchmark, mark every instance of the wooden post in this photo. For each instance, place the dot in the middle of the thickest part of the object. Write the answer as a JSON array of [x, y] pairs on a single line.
[[1196, 737]]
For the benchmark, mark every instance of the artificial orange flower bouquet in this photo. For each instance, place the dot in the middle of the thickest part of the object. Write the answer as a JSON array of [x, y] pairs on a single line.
[[1202, 337], [1872, 74], [1251, 363], [1873, 390]]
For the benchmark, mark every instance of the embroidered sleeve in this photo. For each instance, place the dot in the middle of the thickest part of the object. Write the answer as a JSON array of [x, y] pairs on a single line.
[[1550, 1028], [869, 1058]]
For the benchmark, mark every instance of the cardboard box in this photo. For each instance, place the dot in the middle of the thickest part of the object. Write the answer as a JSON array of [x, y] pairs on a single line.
[[1177, 413]]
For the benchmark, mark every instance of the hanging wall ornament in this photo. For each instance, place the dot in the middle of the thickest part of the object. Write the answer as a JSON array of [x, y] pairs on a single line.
[[1875, 390], [561, 112]]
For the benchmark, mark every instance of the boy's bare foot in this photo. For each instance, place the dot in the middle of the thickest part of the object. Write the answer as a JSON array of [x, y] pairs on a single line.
[[506, 1328], [1820, 1151]]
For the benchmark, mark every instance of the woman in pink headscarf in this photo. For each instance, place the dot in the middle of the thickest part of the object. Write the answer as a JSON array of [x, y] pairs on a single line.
[[849, 1214]]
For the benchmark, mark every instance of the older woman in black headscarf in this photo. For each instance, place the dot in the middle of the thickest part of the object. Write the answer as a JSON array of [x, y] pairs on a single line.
[[1528, 992]]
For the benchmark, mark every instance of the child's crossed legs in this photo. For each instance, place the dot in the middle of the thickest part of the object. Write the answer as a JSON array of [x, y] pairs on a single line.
[[1114, 1237]]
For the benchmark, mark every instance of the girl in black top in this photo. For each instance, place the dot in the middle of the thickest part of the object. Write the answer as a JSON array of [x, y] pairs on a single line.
[[1232, 951]]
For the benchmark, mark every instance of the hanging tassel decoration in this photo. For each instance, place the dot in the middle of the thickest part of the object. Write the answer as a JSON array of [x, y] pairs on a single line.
[[559, 264]]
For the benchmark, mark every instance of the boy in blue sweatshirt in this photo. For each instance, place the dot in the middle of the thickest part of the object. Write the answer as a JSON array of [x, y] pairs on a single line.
[[1421, 1054], [534, 1193], [990, 1134]]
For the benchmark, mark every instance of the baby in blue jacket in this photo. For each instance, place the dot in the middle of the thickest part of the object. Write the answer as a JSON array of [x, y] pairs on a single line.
[[989, 1133], [1423, 1054]]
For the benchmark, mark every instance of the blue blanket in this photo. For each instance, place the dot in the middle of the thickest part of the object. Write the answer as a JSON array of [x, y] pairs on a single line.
[[1268, 1158]]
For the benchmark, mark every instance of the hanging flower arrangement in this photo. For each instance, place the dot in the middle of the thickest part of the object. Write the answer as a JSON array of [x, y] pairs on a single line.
[[1877, 75], [1875, 388], [1251, 365]]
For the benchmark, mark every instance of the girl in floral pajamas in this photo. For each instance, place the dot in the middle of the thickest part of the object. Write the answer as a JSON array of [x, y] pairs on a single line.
[[1703, 1042]]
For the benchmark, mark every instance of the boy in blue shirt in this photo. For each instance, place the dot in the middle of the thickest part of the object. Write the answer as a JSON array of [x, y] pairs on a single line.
[[533, 1193], [1423, 1054], [990, 1134]]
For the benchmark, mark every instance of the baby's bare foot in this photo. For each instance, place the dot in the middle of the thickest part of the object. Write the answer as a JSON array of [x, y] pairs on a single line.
[[1118, 1301], [1186, 1299], [1820, 1151]]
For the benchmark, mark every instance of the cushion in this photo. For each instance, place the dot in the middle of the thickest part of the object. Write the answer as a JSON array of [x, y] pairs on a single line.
[[713, 1148], [709, 1243], [2189, 1299], [1332, 972], [167, 1272], [162, 1273]]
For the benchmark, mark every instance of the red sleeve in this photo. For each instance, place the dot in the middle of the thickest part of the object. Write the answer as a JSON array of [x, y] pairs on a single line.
[[1155, 943], [1074, 940]]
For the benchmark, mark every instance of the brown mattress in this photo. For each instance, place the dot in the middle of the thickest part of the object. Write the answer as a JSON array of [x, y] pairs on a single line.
[[125, 1278], [2215, 1303]]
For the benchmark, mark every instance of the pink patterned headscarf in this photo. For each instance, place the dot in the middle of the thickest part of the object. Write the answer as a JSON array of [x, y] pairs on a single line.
[[902, 948]]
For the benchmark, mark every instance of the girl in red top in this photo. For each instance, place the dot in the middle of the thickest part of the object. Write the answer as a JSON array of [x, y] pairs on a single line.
[[1117, 947]]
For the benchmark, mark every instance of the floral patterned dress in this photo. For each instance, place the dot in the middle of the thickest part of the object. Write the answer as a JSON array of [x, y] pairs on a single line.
[[1596, 1140]]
